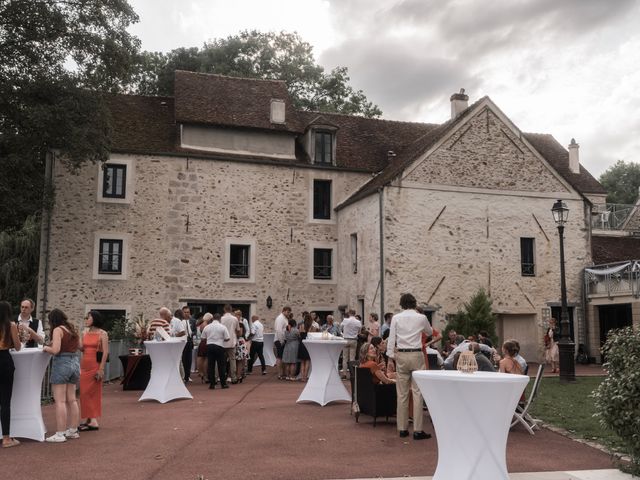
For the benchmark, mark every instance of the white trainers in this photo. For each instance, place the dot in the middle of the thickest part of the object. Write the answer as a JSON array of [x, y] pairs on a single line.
[[57, 437], [71, 433]]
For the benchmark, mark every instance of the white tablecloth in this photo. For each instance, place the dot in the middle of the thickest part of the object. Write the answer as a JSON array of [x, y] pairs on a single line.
[[269, 356], [471, 415], [165, 383], [26, 411], [324, 384]]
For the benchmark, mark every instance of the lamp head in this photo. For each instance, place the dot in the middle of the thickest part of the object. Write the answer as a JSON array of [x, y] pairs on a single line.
[[560, 213]]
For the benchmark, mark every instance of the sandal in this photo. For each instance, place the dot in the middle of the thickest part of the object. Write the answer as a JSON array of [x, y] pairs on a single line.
[[12, 443], [87, 428]]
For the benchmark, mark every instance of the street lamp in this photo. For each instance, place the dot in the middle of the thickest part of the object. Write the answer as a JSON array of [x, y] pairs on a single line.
[[565, 345]]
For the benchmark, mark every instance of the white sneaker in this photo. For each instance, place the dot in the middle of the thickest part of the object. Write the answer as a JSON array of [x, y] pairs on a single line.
[[71, 433], [57, 437]]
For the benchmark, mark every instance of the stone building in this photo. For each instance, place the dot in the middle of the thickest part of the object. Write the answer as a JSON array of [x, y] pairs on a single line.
[[226, 193]]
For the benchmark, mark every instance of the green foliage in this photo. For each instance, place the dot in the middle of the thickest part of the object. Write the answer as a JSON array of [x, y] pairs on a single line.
[[617, 399], [252, 54], [19, 250], [476, 315], [621, 182], [55, 55]]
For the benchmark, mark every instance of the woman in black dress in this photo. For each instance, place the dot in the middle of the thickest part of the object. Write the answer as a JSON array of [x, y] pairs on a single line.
[[303, 353]]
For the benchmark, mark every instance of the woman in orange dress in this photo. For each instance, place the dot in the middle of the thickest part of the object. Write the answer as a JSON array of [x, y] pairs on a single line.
[[92, 372]]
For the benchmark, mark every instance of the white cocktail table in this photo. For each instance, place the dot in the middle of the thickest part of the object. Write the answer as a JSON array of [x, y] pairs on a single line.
[[26, 410], [471, 415], [165, 383], [324, 384], [267, 351]]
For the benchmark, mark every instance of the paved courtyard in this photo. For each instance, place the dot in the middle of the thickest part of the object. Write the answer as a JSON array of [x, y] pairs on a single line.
[[256, 430]]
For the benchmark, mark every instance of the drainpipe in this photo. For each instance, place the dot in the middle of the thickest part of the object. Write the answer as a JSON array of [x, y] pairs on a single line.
[[45, 231], [381, 224]]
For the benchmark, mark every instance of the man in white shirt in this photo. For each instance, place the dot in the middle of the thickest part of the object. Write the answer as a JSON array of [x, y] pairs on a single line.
[[230, 321], [351, 327], [187, 353], [279, 327], [216, 335], [404, 345], [257, 344], [176, 326], [31, 325]]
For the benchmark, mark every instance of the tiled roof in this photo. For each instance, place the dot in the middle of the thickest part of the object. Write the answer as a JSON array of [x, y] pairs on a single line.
[[142, 124], [558, 157], [614, 249], [235, 102], [363, 143]]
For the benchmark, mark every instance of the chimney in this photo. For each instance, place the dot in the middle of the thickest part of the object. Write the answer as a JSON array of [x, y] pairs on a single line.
[[459, 103], [574, 159], [277, 111]]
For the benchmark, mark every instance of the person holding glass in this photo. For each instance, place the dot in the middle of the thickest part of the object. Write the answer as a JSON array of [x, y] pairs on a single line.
[[65, 375], [95, 343], [8, 339]]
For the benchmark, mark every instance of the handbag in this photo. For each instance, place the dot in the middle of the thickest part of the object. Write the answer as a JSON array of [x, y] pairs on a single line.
[[99, 352]]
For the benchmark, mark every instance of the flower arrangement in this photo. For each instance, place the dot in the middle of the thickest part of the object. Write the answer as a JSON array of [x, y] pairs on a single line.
[[137, 329]]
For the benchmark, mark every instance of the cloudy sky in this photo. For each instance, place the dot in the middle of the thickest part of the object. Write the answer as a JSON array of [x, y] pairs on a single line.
[[565, 67]]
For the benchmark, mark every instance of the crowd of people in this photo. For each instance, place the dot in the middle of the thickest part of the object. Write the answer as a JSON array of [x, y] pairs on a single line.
[[79, 359], [227, 346]]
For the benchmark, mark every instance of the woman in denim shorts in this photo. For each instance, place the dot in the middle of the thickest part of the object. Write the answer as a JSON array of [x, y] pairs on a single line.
[[65, 375]]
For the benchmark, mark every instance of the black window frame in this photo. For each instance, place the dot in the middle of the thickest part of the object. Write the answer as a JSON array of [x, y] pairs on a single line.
[[110, 172], [106, 257], [322, 199], [322, 270], [239, 269], [322, 152], [528, 256]]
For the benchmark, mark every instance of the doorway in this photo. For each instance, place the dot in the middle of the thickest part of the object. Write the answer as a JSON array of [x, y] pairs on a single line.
[[613, 316], [199, 308], [556, 312]]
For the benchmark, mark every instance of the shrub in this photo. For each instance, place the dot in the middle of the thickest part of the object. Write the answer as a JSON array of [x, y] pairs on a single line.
[[617, 399]]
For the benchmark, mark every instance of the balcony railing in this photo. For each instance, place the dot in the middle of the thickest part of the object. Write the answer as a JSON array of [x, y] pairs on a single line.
[[614, 279], [614, 216]]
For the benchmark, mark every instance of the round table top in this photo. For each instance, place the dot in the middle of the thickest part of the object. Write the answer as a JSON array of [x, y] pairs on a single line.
[[456, 376], [28, 351], [171, 340], [315, 341]]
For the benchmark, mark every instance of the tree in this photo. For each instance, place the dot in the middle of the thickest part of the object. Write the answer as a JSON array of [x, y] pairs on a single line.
[[621, 182], [279, 56], [475, 316], [57, 57]]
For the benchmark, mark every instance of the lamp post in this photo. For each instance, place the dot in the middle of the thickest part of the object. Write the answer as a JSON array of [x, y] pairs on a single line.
[[565, 345]]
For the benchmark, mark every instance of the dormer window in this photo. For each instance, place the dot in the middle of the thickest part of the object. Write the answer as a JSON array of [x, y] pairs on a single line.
[[323, 147]]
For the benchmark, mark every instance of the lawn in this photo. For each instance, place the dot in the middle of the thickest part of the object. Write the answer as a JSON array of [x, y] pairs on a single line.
[[570, 406]]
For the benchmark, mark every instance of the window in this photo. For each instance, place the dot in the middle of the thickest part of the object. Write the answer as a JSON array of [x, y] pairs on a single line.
[[322, 263], [354, 252], [322, 199], [239, 261], [527, 257], [324, 148], [110, 257], [114, 181]]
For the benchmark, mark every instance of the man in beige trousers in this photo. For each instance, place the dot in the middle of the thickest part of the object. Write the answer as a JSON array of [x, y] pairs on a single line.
[[404, 345]]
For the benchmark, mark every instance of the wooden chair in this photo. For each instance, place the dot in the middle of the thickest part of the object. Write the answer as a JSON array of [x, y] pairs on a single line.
[[377, 400], [521, 415]]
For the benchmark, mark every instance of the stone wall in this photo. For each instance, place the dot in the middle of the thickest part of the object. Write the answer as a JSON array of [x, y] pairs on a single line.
[[168, 260], [485, 153]]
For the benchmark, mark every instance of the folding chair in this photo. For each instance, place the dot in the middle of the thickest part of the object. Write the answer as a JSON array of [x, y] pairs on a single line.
[[521, 415]]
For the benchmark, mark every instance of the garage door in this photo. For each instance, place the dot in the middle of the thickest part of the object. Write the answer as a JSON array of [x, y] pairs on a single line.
[[524, 329]]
